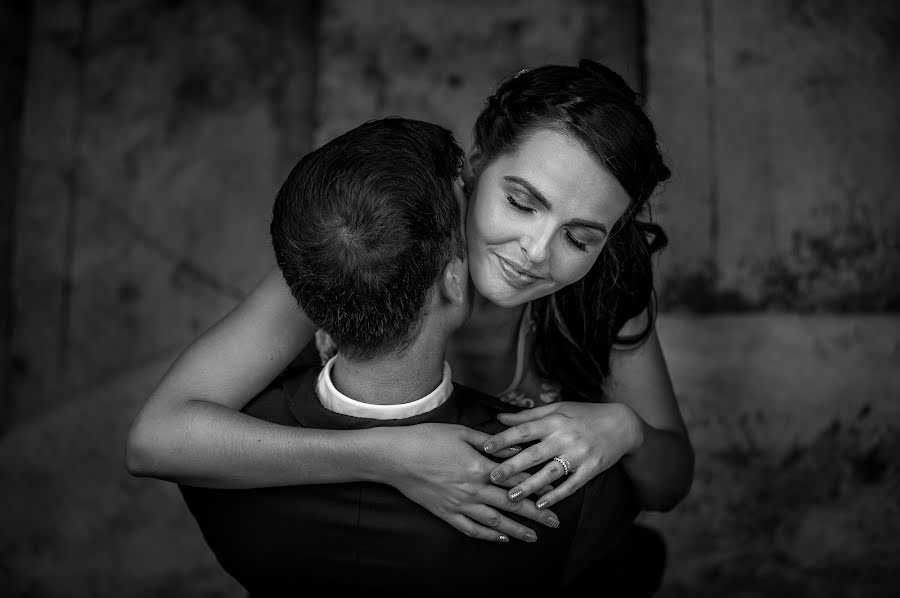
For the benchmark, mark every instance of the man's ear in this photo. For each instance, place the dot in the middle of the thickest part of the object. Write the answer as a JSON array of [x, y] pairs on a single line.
[[454, 280]]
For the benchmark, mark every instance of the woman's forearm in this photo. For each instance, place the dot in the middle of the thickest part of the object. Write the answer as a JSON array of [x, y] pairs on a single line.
[[191, 428], [660, 462], [661, 467], [206, 444]]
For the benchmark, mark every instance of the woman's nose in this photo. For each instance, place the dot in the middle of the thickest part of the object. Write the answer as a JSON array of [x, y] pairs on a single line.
[[535, 246]]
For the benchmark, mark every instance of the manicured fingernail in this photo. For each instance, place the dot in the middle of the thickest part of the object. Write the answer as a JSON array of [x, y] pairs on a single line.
[[489, 446], [495, 476], [530, 537], [542, 504], [503, 538], [515, 495], [552, 521], [515, 449]]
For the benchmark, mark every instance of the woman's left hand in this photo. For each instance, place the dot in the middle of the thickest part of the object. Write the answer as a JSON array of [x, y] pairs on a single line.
[[592, 437]]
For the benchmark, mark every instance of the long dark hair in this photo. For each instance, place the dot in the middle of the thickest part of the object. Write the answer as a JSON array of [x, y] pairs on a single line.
[[579, 324]]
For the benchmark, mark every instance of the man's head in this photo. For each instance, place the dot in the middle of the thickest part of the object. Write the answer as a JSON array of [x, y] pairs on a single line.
[[368, 228]]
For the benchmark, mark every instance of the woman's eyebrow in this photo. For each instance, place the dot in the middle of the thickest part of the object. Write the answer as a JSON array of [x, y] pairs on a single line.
[[590, 224], [542, 199]]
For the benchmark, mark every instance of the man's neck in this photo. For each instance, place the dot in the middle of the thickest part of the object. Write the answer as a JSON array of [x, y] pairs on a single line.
[[395, 379]]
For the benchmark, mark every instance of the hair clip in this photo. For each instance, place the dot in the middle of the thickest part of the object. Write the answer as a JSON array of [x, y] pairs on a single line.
[[516, 76]]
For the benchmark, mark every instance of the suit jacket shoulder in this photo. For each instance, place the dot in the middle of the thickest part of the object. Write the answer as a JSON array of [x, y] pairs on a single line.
[[369, 537]]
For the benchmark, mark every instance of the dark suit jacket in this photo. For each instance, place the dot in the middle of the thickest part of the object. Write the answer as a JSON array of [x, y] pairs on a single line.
[[369, 537]]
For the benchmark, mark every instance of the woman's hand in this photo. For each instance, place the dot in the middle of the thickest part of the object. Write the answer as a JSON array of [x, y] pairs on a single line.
[[592, 437], [438, 467]]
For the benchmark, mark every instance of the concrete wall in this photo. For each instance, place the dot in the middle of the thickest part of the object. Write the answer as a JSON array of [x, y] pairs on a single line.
[[796, 426], [14, 28], [438, 62], [781, 123], [155, 135]]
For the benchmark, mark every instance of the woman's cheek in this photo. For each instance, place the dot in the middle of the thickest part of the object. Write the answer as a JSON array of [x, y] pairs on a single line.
[[487, 223], [472, 234], [574, 269]]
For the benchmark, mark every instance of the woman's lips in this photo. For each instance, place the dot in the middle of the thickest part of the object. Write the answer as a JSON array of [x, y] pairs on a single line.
[[514, 275]]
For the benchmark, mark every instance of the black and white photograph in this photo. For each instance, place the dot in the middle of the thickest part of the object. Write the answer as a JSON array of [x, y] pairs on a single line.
[[576, 298]]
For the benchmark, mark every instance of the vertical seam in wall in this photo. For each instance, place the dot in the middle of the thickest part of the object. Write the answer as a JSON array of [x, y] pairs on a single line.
[[11, 209], [315, 11], [74, 190], [315, 113], [712, 131], [641, 35], [772, 195]]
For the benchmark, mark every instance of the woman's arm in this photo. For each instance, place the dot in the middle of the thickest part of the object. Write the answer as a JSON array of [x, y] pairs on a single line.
[[191, 430], [661, 462], [640, 425]]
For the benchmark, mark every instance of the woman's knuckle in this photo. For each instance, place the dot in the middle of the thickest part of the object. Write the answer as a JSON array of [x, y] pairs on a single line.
[[477, 470], [524, 431], [571, 437], [469, 490]]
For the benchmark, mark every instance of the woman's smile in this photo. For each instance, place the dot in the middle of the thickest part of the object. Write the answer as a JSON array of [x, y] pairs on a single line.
[[515, 275]]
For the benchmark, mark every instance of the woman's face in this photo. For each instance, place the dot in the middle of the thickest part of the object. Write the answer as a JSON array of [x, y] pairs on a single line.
[[539, 218]]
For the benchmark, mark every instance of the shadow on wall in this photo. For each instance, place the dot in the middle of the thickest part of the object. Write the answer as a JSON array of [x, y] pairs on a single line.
[[74, 523]]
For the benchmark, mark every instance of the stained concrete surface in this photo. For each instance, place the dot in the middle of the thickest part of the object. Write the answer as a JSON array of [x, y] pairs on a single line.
[[796, 425], [437, 62], [74, 523], [780, 120], [154, 139]]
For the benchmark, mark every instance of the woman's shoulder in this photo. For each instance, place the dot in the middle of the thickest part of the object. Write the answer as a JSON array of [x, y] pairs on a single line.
[[637, 324], [635, 328]]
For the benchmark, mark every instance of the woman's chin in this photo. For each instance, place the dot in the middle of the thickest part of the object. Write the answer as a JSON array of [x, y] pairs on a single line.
[[503, 295], [505, 301]]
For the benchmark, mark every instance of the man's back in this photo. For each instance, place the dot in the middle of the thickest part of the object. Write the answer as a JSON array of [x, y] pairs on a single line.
[[367, 536]]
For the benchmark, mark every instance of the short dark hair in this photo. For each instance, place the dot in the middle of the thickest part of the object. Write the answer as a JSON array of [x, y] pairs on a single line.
[[364, 226]]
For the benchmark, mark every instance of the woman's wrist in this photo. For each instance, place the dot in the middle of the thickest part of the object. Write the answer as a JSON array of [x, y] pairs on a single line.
[[635, 429], [376, 448]]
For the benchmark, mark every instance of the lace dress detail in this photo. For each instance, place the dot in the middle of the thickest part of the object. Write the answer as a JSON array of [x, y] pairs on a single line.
[[527, 389]]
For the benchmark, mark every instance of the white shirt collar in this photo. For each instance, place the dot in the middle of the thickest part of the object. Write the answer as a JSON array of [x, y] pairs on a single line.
[[333, 400]]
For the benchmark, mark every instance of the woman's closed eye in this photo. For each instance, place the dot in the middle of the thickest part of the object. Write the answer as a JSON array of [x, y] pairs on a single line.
[[528, 209], [519, 206], [576, 242]]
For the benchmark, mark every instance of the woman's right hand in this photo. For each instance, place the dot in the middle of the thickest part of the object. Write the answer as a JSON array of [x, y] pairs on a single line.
[[438, 467]]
